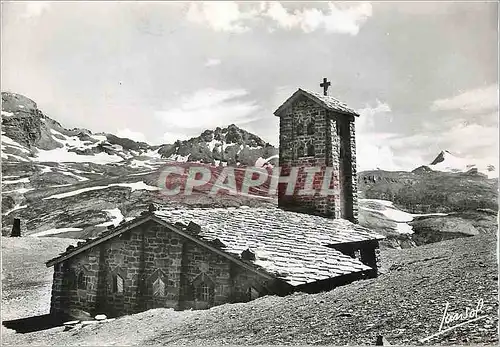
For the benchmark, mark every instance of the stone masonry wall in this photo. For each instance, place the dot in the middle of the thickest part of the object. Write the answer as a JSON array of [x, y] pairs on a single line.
[[294, 141], [347, 165], [140, 256], [354, 170]]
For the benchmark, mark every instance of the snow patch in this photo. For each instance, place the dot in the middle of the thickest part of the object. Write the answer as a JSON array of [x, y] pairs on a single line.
[[45, 168], [100, 138], [179, 158], [19, 191], [152, 154], [80, 178], [54, 231], [22, 180], [400, 218], [212, 144], [7, 155], [140, 163], [17, 207], [7, 141], [134, 186], [60, 155], [116, 217]]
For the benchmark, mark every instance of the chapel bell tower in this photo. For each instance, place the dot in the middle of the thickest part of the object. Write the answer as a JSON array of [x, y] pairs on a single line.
[[318, 130]]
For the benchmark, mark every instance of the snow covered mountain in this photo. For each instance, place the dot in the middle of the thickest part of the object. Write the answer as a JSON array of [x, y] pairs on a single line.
[[30, 136], [448, 162], [75, 182]]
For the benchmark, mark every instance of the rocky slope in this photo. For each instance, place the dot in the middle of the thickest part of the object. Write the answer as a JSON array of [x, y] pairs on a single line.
[[437, 205], [105, 178], [405, 304], [29, 135]]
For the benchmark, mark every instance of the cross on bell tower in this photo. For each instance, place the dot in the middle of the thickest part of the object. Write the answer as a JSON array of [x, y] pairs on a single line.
[[325, 86]]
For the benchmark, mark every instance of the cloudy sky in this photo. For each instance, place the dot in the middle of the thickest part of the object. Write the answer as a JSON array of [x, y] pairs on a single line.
[[423, 75]]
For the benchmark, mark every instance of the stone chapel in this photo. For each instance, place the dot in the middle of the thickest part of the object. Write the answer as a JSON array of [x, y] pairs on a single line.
[[197, 258]]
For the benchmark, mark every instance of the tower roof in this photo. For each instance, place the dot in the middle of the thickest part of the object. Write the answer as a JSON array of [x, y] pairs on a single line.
[[326, 101]]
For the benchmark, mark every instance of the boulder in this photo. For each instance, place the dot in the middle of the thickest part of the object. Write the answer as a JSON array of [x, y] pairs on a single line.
[[100, 317]]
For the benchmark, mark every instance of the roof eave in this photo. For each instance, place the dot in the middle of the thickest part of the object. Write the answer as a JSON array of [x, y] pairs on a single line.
[[116, 232], [369, 268], [299, 91], [142, 220]]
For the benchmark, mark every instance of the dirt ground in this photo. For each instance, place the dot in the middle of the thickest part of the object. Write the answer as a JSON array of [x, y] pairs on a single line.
[[404, 304]]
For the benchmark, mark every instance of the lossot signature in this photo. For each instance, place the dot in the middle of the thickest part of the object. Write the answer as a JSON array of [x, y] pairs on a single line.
[[469, 315]]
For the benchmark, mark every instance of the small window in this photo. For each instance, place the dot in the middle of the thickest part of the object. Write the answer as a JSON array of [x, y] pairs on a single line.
[[159, 287], [70, 279], [82, 281], [310, 128], [310, 150], [205, 292], [300, 129], [252, 293], [118, 284], [300, 150]]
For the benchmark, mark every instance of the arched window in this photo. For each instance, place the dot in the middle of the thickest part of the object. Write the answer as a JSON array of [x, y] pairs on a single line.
[[252, 293], [204, 288], [300, 129], [118, 284], [300, 150], [70, 279], [82, 280], [310, 128], [310, 149], [158, 287], [158, 282], [205, 292]]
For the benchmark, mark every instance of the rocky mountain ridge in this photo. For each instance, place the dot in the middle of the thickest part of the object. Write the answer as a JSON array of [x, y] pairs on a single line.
[[30, 135]]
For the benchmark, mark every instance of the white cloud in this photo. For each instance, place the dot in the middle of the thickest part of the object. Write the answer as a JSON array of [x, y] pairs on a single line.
[[218, 15], [207, 109], [34, 9], [212, 62], [373, 150], [133, 135], [171, 137], [366, 120], [471, 125], [471, 139], [340, 18], [471, 101], [229, 16]]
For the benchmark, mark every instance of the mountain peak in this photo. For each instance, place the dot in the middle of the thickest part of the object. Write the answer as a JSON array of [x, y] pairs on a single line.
[[14, 103], [442, 156]]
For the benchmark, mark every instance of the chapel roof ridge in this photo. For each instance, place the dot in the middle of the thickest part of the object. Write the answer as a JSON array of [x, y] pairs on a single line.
[[329, 102]]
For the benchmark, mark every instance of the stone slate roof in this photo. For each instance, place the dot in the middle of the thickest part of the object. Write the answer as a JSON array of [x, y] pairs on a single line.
[[328, 102], [289, 245]]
